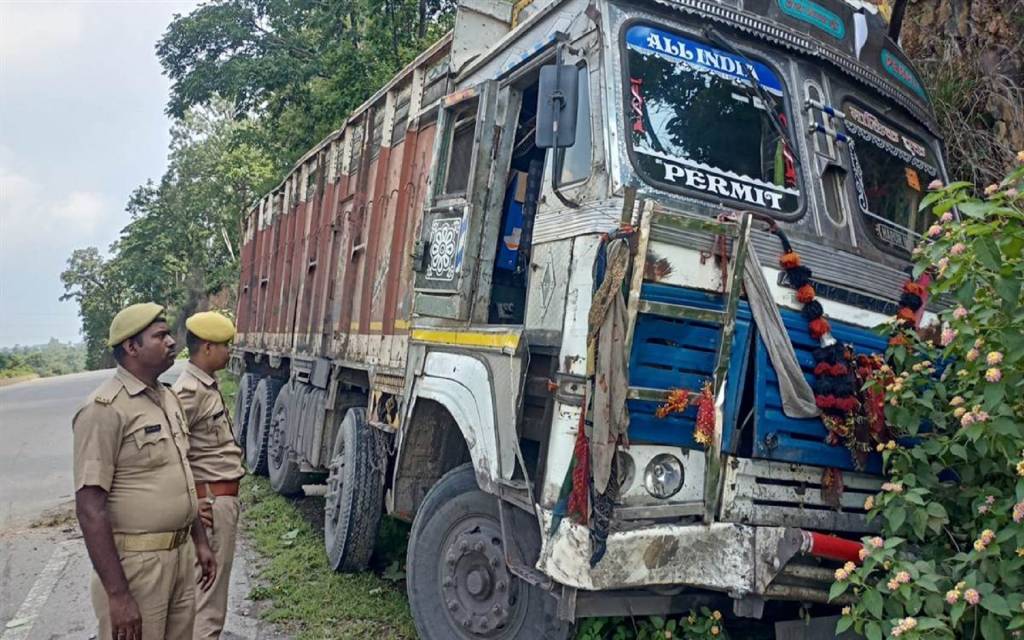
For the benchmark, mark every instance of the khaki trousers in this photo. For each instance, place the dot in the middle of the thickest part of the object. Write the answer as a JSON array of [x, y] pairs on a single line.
[[212, 605], [163, 585]]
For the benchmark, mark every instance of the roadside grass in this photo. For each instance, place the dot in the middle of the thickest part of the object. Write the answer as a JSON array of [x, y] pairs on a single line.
[[304, 593]]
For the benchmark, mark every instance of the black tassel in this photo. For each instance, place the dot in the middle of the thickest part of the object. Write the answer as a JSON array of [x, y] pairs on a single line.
[[799, 276], [812, 310]]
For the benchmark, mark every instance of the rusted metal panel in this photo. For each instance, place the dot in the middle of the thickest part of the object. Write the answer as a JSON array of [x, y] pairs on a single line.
[[325, 263]]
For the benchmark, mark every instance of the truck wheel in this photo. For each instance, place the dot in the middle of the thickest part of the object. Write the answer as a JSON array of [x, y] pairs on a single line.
[[243, 402], [256, 430], [458, 583], [355, 494], [283, 469]]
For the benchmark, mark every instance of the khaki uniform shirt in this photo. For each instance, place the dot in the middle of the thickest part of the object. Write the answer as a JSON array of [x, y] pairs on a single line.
[[212, 452], [132, 441]]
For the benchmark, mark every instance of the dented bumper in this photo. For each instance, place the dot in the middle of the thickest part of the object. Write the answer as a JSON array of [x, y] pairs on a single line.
[[741, 560]]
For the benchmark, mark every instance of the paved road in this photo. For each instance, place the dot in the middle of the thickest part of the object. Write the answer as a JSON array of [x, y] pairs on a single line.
[[44, 570]]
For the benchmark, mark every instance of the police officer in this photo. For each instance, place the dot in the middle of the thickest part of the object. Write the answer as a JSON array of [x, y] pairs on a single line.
[[216, 459], [134, 494]]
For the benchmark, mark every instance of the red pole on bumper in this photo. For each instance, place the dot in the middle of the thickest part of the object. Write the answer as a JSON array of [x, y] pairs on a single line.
[[831, 547]]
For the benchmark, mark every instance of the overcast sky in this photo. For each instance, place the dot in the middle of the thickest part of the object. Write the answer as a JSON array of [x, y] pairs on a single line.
[[81, 125]]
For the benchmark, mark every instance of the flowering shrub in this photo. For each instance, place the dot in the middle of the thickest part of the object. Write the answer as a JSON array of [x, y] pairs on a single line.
[[705, 625], [950, 562]]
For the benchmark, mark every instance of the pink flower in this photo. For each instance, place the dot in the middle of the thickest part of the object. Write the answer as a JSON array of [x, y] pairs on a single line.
[[841, 574], [960, 312], [878, 543], [980, 416], [1020, 158], [993, 358], [863, 554], [993, 375], [893, 585], [990, 189], [990, 500], [947, 217], [903, 577], [972, 597], [936, 184], [967, 420], [934, 231], [957, 249], [987, 536], [1018, 512], [942, 264], [952, 596], [1011, 193], [972, 355], [979, 343], [948, 335], [983, 509]]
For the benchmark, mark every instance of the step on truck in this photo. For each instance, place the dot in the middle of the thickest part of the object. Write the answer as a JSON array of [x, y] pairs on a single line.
[[473, 306]]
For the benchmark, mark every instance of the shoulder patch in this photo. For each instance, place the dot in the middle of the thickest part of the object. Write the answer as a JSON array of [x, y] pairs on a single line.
[[108, 391], [185, 382]]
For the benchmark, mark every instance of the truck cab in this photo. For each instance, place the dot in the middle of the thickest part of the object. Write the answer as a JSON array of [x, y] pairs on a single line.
[[586, 230]]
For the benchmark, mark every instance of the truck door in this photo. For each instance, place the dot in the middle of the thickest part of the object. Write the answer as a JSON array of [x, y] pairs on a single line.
[[447, 253]]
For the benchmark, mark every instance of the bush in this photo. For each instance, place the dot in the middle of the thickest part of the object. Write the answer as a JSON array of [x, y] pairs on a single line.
[[950, 563]]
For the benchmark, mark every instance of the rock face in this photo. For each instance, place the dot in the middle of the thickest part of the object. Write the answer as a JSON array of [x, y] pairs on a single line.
[[971, 54]]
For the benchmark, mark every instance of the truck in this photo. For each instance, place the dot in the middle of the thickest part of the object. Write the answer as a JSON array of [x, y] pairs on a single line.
[[528, 298]]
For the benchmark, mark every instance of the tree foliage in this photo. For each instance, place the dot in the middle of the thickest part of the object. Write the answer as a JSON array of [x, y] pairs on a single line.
[[55, 358], [297, 67], [951, 563]]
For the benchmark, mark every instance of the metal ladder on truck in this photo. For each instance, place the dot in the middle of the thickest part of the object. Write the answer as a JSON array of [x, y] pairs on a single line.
[[648, 215]]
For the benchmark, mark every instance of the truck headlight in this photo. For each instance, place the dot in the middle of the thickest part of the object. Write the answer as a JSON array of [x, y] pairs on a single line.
[[663, 477]]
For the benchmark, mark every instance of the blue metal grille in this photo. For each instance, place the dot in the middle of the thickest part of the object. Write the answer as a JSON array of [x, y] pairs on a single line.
[[670, 353]]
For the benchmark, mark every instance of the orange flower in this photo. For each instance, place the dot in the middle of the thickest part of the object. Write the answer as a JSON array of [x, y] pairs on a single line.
[[819, 327], [677, 402], [906, 314], [789, 260], [914, 288], [805, 294]]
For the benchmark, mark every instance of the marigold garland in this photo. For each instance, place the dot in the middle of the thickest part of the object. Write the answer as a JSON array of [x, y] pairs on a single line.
[[849, 389], [679, 400]]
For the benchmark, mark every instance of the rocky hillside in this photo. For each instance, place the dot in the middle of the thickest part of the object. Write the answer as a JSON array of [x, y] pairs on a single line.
[[971, 54]]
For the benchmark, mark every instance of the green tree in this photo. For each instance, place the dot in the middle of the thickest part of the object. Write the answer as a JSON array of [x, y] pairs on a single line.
[[97, 284], [297, 67]]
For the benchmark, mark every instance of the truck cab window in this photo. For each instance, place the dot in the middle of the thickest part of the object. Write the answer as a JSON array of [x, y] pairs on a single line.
[[576, 163], [892, 170], [460, 153], [696, 126]]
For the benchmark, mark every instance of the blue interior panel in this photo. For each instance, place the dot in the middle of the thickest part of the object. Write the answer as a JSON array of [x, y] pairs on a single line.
[[778, 437], [669, 353]]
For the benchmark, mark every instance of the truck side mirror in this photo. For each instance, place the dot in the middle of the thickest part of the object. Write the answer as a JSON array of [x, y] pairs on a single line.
[[557, 95]]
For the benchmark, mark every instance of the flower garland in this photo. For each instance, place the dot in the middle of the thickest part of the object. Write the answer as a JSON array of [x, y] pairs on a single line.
[[679, 400]]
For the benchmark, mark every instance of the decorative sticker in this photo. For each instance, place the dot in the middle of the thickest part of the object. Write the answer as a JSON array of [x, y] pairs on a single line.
[[913, 179], [444, 236], [815, 15], [895, 67], [682, 50]]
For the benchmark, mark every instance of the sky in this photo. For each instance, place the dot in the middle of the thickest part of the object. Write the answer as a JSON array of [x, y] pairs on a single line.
[[82, 124]]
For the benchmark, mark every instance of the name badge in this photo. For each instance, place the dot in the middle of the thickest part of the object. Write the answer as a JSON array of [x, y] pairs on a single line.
[[153, 429]]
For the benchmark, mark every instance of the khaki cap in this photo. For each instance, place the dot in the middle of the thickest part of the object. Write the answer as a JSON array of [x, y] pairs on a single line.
[[131, 320], [211, 326]]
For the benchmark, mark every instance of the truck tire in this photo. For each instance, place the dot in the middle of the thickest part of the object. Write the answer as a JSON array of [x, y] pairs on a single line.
[[457, 581], [282, 467], [256, 430], [243, 402], [355, 494]]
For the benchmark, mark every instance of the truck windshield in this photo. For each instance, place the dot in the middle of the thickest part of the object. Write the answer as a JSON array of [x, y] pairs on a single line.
[[696, 127], [892, 171]]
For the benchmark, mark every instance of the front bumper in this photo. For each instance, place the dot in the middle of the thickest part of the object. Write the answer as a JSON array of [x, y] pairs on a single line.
[[741, 560]]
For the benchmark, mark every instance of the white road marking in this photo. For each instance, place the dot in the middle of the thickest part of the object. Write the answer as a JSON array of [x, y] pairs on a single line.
[[21, 624]]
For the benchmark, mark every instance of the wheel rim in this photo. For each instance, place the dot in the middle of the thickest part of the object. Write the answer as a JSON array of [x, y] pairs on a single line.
[[480, 596], [276, 450], [335, 483]]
